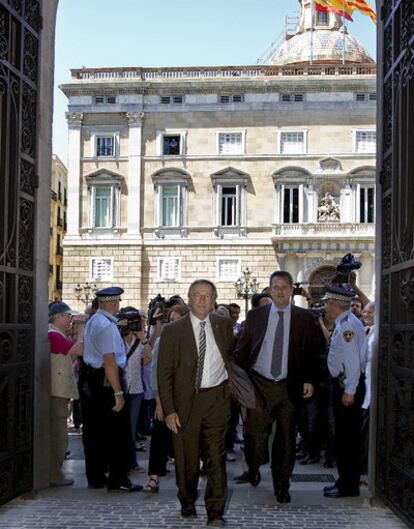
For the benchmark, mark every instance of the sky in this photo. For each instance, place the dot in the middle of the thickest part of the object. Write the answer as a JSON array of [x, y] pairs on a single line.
[[102, 33]]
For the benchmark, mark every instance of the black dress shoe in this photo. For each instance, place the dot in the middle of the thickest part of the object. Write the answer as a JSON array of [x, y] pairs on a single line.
[[255, 478], [243, 478], [96, 485], [188, 512], [216, 521], [338, 493], [125, 486], [283, 496]]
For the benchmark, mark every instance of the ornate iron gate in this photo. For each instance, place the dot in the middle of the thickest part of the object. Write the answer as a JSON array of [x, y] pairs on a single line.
[[19, 46], [395, 427]]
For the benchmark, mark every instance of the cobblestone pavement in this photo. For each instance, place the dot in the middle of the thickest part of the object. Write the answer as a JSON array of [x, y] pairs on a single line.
[[251, 508]]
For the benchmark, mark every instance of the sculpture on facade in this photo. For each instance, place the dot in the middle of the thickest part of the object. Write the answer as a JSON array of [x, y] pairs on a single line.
[[328, 211]]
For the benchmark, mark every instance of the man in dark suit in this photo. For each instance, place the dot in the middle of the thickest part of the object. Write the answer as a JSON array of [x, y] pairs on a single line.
[[279, 348], [192, 378]]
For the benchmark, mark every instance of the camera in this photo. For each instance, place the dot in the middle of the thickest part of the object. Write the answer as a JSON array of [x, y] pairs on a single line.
[[318, 309], [133, 318]]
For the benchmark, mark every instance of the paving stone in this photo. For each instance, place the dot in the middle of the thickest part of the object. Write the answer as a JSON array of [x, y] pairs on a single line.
[[248, 507]]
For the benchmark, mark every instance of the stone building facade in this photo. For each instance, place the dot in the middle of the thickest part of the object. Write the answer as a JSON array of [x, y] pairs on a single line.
[[181, 173], [58, 211]]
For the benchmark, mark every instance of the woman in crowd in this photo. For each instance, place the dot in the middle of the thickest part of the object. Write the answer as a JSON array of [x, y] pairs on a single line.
[[130, 324], [161, 440]]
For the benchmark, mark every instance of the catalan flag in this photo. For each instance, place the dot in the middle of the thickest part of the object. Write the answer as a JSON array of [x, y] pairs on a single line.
[[340, 7], [362, 7]]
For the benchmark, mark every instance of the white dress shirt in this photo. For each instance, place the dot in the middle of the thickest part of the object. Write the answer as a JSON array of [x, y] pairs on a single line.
[[214, 370]]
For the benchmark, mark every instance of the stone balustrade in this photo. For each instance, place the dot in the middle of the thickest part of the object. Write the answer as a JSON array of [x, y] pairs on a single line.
[[214, 72]]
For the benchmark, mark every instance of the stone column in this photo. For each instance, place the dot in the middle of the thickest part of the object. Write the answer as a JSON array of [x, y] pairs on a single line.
[[135, 121], [74, 185]]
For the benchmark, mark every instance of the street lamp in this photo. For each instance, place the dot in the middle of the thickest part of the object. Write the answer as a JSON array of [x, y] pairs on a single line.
[[85, 293], [246, 286]]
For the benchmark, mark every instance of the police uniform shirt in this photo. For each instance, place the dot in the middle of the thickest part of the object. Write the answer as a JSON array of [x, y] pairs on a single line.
[[348, 351], [263, 364], [102, 337]]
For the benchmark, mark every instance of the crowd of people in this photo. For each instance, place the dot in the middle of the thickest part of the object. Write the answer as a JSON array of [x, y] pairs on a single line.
[[197, 381]]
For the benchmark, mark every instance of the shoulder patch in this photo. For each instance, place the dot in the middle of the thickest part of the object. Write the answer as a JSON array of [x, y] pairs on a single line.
[[348, 335]]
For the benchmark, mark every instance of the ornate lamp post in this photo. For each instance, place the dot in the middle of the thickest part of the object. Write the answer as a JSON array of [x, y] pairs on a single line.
[[86, 292], [246, 286]]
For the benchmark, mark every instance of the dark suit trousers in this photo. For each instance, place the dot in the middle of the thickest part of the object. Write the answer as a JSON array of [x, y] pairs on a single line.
[[160, 448], [206, 430], [258, 426], [348, 424], [106, 434]]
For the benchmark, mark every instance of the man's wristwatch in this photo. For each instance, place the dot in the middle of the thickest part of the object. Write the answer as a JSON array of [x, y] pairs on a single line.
[[118, 393]]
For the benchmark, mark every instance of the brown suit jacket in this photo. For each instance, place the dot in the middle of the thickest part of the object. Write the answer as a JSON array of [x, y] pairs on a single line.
[[177, 362], [305, 345]]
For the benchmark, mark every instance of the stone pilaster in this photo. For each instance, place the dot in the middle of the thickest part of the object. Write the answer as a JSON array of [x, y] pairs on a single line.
[[135, 121], [74, 154]]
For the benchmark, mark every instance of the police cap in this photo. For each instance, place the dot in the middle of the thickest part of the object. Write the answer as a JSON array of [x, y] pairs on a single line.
[[109, 294]]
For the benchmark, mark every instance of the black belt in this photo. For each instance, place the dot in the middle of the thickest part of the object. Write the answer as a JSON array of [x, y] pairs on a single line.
[[270, 380], [204, 390]]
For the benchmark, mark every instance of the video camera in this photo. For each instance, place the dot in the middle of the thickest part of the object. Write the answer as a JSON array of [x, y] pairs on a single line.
[[134, 320]]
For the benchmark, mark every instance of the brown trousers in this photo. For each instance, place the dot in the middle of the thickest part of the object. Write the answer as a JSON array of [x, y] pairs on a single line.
[[204, 434]]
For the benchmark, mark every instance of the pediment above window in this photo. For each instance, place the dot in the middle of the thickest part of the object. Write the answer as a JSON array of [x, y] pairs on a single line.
[[103, 176], [363, 171], [330, 165], [171, 175], [230, 174], [292, 172]]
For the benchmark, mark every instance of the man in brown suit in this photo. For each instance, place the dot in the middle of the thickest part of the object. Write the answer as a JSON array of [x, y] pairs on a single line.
[[193, 386], [279, 348]]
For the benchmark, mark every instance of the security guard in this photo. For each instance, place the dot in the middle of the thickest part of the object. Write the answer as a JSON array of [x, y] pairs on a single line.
[[106, 436], [346, 363]]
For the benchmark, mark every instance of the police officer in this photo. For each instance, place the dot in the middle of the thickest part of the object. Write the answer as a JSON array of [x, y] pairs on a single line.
[[106, 434], [346, 363]]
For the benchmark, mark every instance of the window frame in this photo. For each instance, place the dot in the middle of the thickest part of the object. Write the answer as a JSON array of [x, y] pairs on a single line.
[[171, 132], [282, 132], [162, 179], [160, 261], [230, 132], [232, 99], [105, 134], [114, 183], [91, 267], [365, 186], [228, 278], [355, 133]]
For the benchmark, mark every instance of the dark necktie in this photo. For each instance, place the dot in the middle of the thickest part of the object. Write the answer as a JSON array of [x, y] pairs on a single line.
[[277, 354], [201, 354]]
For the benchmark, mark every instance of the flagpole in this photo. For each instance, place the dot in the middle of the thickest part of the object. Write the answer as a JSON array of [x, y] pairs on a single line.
[[312, 11], [343, 30]]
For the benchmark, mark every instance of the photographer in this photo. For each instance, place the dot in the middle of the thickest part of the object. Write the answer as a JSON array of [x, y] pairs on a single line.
[[138, 352]]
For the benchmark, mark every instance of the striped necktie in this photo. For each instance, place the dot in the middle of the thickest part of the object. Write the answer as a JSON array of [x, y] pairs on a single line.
[[201, 354], [277, 354]]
